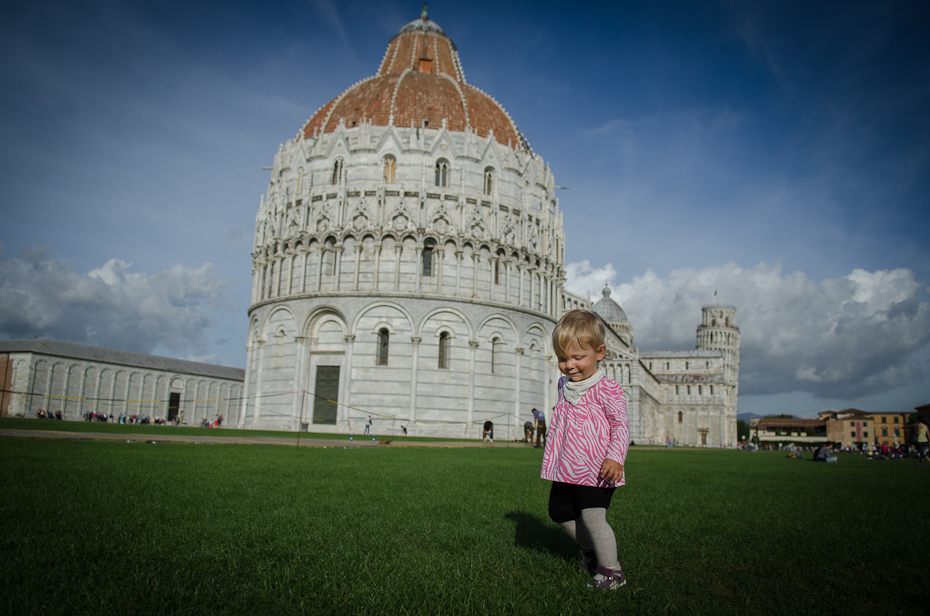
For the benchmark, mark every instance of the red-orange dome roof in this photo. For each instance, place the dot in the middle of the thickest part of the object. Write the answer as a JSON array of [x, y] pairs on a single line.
[[420, 82]]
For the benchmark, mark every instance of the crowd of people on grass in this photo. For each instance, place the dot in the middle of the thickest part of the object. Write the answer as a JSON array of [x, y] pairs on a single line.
[[216, 423], [826, 452], [48, 415]]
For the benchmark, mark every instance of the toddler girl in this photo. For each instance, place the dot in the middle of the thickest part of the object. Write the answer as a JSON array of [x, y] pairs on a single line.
[[586, 446]]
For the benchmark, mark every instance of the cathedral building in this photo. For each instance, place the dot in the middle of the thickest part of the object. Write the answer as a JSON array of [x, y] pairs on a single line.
[[685, 397], [408, 266]]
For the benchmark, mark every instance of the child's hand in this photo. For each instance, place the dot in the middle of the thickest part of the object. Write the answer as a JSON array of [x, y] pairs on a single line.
[[611, 470]]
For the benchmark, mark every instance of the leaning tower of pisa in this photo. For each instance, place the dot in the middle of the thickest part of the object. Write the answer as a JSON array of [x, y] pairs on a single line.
[[718, 332]]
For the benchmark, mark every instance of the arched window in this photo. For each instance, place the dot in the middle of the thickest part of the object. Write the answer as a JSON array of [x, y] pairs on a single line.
[[384, 337], [488, 180], [337, 171], [444, 350], [442, 173], [680, 417], [495, 355], [428, 259], [390, 169]]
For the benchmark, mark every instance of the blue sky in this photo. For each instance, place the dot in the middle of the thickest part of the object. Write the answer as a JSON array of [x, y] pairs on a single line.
[[776, 152]]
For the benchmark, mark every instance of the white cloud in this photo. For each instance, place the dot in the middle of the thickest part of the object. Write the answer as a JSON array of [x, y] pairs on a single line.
[[841, 338], [109, 306]]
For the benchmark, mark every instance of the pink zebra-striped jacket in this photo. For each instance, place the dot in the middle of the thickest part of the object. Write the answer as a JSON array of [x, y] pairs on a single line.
[[581, 437]]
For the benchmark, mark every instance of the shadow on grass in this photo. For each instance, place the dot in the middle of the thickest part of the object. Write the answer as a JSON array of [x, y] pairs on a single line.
[[534, 534]]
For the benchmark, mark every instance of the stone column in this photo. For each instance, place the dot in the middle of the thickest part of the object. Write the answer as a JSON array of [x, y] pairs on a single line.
[[547, 398], [300, 396], [258, 385], [339, 250], [276, 282], [507, 281], [290, 270], [398, 249], [255, 277], [440, 257], [80, 409], [458, 272], [474, 274], [97, 382], [518, 371], [342, 412], [472, 351], [419, 266], [377, 271], [64, 393], [413, 377], [358, 254], [303, 269], [267, 282], [520, 271], [319, 267]]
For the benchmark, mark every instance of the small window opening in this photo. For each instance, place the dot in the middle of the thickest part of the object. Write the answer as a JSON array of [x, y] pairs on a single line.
[[494, 355], [426, 66], [337, 171], [497, 272], [488, 181], [444, 350], [390, 169], [680, 417], [442, 173], [383, 341], [428, 260]]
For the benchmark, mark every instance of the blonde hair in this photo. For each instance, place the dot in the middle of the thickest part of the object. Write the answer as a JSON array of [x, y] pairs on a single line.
[[581, 325]]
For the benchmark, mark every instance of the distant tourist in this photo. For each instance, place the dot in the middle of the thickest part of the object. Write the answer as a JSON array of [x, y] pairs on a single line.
[[368, 425], [539, 421], [922, 440], [825, 453], [527, 432], [585, 467], [488, 431]]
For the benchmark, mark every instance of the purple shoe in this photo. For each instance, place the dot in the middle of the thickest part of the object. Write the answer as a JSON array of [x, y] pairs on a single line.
[[612, 580]]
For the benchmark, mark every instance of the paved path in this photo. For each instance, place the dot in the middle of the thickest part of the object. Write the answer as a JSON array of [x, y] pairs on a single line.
[[232, 439]]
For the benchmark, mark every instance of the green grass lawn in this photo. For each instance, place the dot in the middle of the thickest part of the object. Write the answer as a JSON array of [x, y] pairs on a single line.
[[20, 423], [122, 528]]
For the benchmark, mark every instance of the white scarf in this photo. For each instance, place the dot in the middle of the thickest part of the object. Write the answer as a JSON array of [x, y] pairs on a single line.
[[573, 391]]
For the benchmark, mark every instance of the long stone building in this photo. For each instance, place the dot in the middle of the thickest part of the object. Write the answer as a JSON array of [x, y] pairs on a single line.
[[408, 265], [75, 379]]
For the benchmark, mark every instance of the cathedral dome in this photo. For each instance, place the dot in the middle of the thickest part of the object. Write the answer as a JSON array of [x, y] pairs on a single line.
[[613, 315], [420, 84], [608, 309]]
